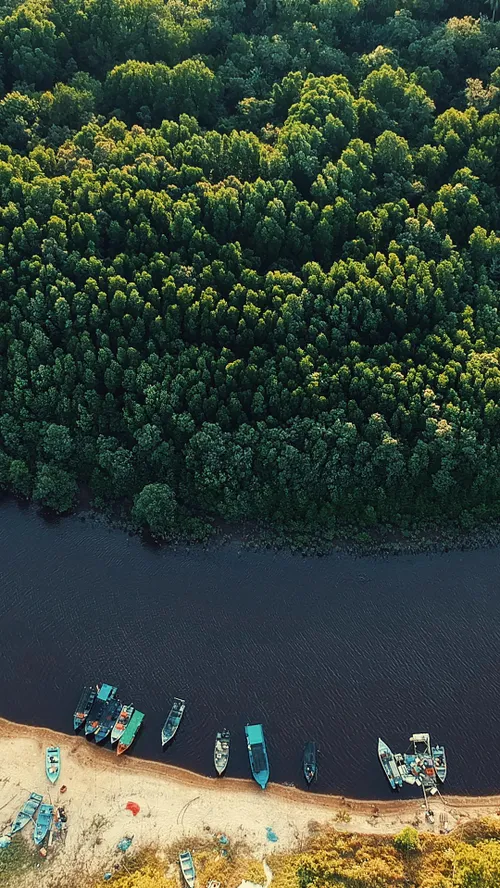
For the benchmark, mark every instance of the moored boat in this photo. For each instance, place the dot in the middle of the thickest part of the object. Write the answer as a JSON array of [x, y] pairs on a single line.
[[130, 731], [106, 692], [187, 868], [439, 759], [310, 762], [26, 813], [108, 718], [257, 753], [121, 723], [404, 770], [52, 763], [43, 823], [389, 765], [173, 720], [84, 706], [221, 750]]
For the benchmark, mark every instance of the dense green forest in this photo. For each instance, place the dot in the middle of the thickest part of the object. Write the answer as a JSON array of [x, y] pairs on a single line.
[[249, 260]]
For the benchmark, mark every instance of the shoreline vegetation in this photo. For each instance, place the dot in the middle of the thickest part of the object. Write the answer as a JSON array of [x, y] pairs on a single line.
[[249, 262], [179, 809]]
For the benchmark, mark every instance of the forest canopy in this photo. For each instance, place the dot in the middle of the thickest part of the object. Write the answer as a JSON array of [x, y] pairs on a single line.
[[250, 260]]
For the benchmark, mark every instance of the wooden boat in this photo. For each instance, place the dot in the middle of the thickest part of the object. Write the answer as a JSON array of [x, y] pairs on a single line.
[[389, 765], [130, 732], [257, 753], [221, 750], [26, 813], [121, 723], [440, 764], [173, 721], [106, 692], [108, 718], [187, 868], [43, 823], [85, 702], [52, 763], [310, 763]]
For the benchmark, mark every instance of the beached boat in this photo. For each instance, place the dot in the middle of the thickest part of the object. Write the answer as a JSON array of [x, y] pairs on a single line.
[[130, 731], [257, 753], [173, 721], [52, 763], [439, 759], [26, 813], [221, 750], [43, 823], [389, 765], [108, 718], [121, 723], [85, 702], [106, 692], [187, 868], [423, 763], [309, 762]]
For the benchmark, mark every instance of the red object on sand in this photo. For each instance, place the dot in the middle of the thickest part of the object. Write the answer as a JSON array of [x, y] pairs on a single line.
[[133, 806], [63, 789]]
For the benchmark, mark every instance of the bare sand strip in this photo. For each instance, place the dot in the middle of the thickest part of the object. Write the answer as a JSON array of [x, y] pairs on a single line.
[[176, 803]]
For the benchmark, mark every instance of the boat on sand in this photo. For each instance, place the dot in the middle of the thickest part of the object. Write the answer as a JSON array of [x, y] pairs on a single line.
[[187, 868], [52, 763], [43, 823], [26, 813]]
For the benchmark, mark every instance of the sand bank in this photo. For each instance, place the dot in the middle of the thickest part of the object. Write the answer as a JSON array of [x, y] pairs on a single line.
[[175, 803]]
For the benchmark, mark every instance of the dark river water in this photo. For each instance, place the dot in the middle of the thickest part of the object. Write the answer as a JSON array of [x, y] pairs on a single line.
[[338, 649]]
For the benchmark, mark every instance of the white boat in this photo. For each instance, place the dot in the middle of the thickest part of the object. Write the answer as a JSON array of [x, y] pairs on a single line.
[[187, 867], [439, 759], [389, 765]]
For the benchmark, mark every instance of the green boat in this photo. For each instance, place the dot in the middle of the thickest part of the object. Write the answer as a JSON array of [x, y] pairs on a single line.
[[26, 813], [130, 731], [43, 823], [52, 763]]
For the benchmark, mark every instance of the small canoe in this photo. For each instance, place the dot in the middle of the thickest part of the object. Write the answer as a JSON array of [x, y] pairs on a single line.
[[105, 693], [130, 732], [84, 706], [439, 759], [43, 823], [388, 762], [310, 762], [221, 750], [108, 718], [121, 723], [187, 868], [26, 813], [52, 763], [173, 721]]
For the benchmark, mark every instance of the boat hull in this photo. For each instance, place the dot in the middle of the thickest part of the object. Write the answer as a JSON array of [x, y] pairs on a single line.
[[309, 763], [187, 868], [221, 751], [108, 720], [130, 732], [43, 823], [53, 763], [26, 813], [388, 762], [85, 703], [173, 721], [106, 693]]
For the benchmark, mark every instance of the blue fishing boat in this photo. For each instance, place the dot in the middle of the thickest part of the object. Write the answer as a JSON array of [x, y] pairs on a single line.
[[84, 706], [187, 868], [52, 763], [108, 718], [257, 753], [105, 693], [389, 765], [173, 720], [439, 759], [26, 813], [43, 823]]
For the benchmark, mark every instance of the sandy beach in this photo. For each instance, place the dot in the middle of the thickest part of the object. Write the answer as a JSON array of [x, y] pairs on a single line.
[[176, 804]]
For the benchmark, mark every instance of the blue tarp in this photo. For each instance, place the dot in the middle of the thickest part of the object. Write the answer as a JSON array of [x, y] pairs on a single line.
[[271, 835]]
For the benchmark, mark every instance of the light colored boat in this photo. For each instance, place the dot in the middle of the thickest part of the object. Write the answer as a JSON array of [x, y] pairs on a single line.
[[439, 759], [187, 868], [388, 762], [221, 751], [26, 813], [53, 763], [121, 723], [43, 823], [173, 721]]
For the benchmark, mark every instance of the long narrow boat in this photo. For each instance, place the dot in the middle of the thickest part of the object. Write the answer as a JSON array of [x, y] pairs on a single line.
[[389, 765], [43, 823], [52, 763], [84, 706], [439, 759], [108, 718], [26, 813], [187, 868], [121, 723], [257, 753], [310, 761], [221, 750], [173, 721], [106, 692], [130, 732]]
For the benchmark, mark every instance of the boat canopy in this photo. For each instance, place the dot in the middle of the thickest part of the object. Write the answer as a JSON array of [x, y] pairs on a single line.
[[420, 738]]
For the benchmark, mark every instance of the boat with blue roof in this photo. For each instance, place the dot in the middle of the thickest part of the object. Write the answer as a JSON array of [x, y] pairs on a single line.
[[105, 693], [257, 753]]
